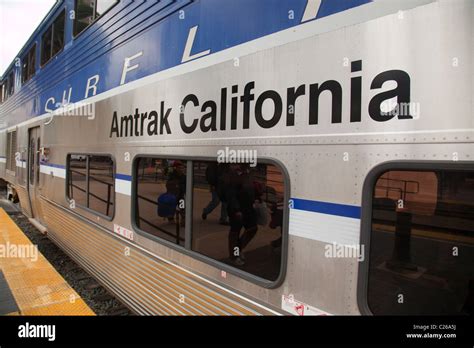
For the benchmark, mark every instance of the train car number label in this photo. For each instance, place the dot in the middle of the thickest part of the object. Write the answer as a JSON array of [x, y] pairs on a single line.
[[289, 304], [123, 232]]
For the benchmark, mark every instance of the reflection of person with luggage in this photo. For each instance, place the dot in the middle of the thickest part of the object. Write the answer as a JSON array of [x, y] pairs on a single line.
[[214, 173], [168, 202], [240, 197], [276, 222]]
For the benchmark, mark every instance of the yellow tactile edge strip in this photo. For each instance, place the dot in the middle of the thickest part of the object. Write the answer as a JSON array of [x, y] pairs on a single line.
[[37, 287]]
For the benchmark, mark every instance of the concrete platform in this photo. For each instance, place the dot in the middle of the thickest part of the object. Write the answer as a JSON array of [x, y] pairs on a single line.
[[29, 284]]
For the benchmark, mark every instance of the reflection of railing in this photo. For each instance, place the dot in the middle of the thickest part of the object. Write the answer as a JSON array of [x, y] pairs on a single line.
[[177, 215], [272, 188], [153, 175], [401, 191], [108, 202]]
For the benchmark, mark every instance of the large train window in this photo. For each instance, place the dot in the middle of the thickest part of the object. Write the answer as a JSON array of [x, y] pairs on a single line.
[[28, 68], [46, 45], [421, 258], [160, 194], [91, 183], [228, 215], [238, 215], [88, 11], [58, 34], [52, 41]]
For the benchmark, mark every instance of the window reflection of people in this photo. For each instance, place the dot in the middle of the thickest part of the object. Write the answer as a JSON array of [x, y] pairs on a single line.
[[214, 173], [176, 185], [276, 222], [240, 197]]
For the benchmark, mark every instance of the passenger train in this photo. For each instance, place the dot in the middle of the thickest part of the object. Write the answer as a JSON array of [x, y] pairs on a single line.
[[244, 157]]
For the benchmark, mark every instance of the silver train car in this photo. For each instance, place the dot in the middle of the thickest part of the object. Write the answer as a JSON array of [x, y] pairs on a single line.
[[324, 168]]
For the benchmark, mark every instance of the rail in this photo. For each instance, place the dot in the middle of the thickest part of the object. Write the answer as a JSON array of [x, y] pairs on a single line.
[[402, 191], [177, 216], [108, 202]]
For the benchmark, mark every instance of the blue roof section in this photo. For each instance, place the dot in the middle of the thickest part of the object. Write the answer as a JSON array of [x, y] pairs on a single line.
[[157, 28]]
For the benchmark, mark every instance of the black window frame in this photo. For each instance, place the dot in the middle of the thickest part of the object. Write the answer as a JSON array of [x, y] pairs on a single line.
[[114, 166], [54, 38], [366, 212], [186, 250], [51, 27], [95, 18], [9, 85], [28, 67]]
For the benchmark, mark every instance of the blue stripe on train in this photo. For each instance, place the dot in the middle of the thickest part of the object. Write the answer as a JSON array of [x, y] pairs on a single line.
[[125, 177], [350, 211]]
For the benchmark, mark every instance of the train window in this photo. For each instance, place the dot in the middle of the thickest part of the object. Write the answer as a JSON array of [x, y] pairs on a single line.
[[4, 92], [160, 194], [10, 85], [103, 6], [236, 211], [88, 11], [101, 184], [38, 160], [31, 160], [58, 33], [77, 175], [52, 40], [84, 15], [28, 67], [32, 61], [46, 45], [91, 182], [421, 257], [238, 215]]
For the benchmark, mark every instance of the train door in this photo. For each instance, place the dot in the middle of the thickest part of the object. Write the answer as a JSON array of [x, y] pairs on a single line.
[[34, 144]]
